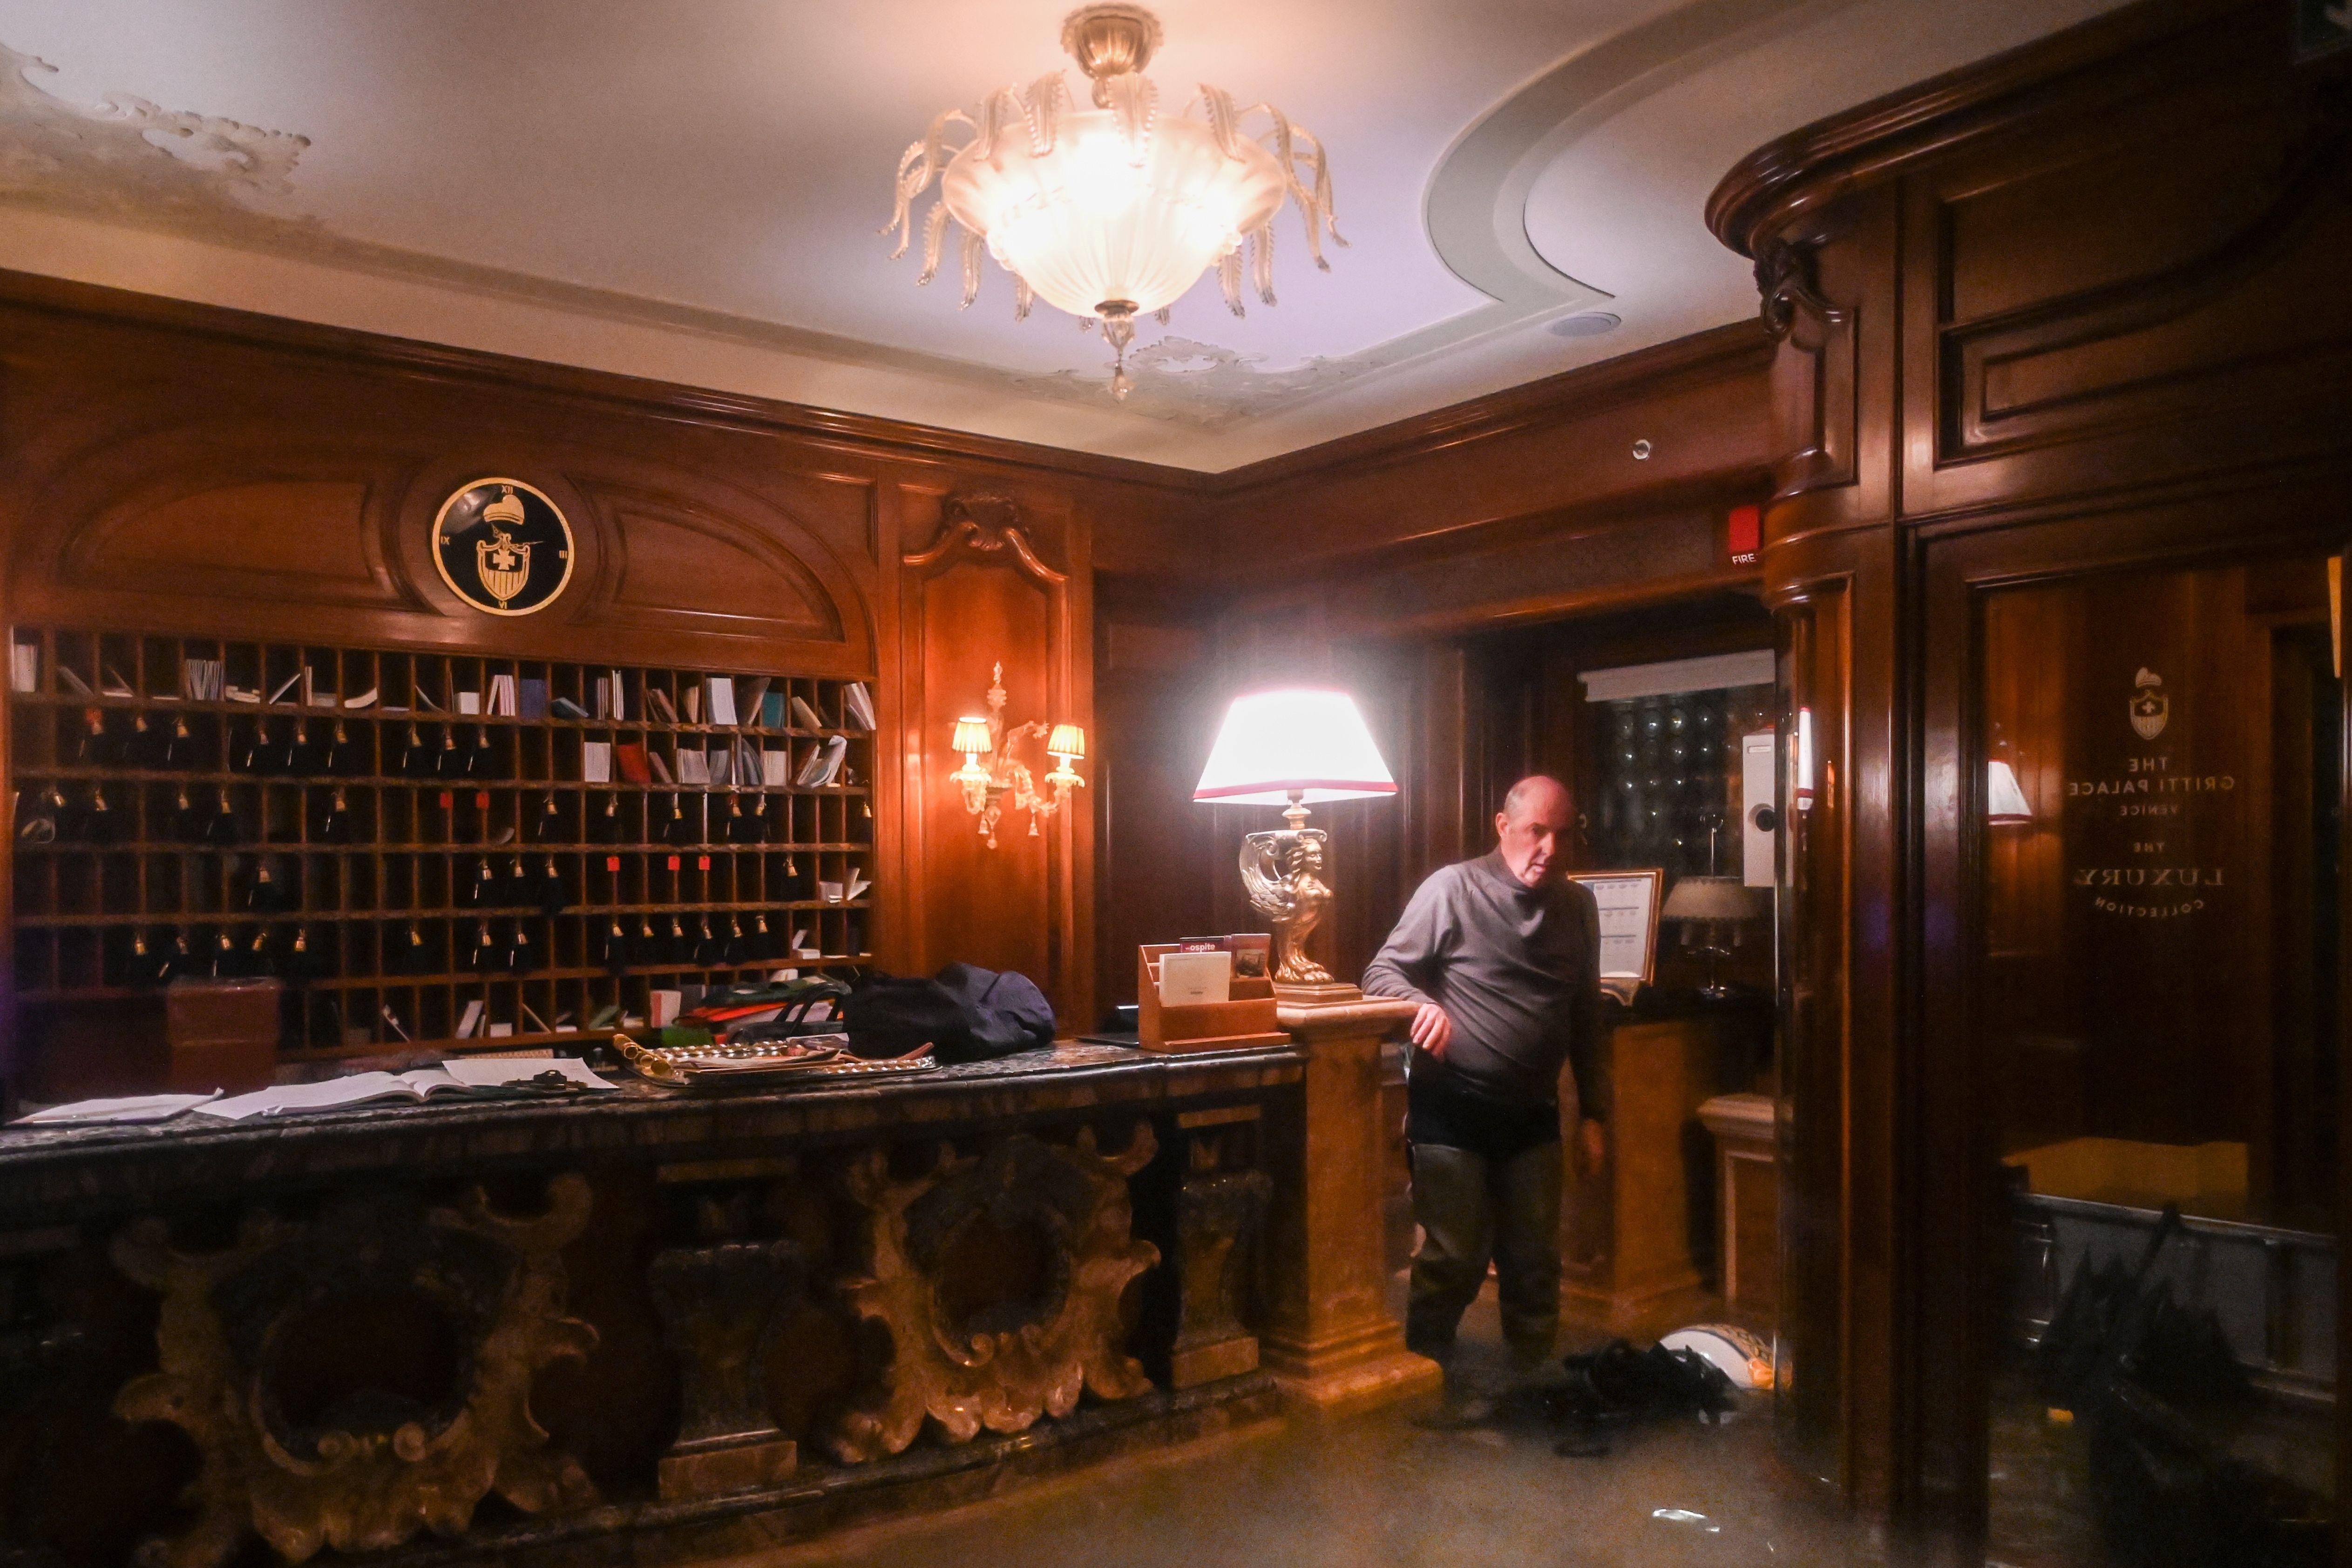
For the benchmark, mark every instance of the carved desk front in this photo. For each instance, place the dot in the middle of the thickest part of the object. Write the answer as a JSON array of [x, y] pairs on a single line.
[[523, 1325]]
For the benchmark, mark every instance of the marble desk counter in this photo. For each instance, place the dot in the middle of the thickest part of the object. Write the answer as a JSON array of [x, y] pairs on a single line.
[[58, 1176]]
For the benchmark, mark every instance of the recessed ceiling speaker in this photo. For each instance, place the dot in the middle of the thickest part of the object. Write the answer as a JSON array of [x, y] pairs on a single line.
[[1585, 324]]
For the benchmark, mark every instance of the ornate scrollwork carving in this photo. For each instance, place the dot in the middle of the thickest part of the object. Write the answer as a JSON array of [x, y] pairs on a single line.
[[1785, 278], [986, 525], [968, 1357], [361, 1466]]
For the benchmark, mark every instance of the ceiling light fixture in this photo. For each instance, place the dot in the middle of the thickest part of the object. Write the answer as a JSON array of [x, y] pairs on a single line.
[[1113, 212]]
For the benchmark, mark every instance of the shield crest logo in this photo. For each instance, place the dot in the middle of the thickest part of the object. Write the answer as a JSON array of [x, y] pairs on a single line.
[[2150, 709], [503, 565]]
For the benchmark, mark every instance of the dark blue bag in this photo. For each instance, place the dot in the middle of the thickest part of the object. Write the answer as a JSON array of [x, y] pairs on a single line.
[[966, 1014]]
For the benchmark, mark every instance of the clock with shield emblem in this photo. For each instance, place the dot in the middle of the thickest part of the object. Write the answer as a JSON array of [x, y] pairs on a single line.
[[502, 546]]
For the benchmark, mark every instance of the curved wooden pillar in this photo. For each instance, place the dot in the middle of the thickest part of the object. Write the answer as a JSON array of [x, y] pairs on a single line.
[[2063, 306]]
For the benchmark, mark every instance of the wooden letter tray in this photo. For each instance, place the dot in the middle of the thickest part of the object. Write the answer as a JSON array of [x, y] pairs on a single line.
[[1244, 1023]]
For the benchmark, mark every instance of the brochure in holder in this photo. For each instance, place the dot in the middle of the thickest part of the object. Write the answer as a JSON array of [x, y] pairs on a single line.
[[1244, 1021]]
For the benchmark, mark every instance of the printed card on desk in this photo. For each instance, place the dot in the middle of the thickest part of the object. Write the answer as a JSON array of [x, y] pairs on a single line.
[[1188, 978]]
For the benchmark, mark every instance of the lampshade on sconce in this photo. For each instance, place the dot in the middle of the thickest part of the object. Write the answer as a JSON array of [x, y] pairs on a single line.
[[1287, 748], [1067, 741], [972, 739], [2005, 802]]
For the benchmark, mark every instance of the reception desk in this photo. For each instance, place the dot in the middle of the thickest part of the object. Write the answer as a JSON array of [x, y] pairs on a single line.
[[512, 1330]]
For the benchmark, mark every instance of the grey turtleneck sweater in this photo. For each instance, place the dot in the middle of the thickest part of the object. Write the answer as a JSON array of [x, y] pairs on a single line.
[[1517, 970]]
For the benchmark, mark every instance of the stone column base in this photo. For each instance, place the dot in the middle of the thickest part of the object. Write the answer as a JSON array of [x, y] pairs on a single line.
[[1343, 1377]]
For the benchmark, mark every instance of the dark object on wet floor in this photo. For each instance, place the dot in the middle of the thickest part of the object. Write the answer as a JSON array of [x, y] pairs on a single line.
[[2146, 1378], [1617, 1385]]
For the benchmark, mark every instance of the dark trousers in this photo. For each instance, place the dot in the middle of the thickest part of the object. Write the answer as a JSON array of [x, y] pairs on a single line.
[[1471, 1210]]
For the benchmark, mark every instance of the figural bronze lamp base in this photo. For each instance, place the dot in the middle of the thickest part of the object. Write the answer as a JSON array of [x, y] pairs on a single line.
[[1282, 869]]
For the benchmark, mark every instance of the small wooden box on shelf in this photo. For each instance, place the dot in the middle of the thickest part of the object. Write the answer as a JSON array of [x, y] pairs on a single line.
[[415, 842], [1244, 1022]]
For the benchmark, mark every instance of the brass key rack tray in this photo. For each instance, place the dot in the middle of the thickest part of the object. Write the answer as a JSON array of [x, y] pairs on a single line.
[[765, 1065]]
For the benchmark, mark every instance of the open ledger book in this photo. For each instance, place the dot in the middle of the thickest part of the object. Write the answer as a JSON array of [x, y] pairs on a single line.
[[483, 1077], [490, 1079]]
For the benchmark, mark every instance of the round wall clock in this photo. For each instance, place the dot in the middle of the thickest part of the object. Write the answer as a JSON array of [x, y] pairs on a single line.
[[502, 547]]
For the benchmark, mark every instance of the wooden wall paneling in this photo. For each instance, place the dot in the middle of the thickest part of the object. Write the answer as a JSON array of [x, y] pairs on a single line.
[[2050, 331], [1157, 707], [1564, 442], [977, 591], [2137, 282]]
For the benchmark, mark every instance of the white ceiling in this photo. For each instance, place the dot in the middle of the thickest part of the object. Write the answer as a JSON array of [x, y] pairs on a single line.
[[690, 189]]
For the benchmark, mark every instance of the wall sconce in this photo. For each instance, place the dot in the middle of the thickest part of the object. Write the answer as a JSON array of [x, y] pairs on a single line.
[[986, 785]]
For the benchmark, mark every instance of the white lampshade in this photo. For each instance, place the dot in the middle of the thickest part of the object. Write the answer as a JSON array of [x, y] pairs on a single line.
[[971, 736], [1303, 742], [2005, 803]]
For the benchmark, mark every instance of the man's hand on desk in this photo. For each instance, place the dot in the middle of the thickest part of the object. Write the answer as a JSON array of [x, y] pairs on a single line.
[[1432, 1030]]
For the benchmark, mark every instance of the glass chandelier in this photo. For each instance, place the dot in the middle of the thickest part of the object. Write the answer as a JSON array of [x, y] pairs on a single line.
[[1113, 212]]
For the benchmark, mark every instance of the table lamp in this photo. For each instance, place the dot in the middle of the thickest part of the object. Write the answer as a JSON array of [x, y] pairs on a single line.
[[1706, 905], [1290, 747]]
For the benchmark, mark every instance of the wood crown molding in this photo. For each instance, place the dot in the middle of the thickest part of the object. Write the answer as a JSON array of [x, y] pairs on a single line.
[[690, 404], [1809, 168], [1714, 354], [1704, 356]]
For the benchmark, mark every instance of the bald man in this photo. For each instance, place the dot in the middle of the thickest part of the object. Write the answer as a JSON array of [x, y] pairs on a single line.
[[1503, 955]]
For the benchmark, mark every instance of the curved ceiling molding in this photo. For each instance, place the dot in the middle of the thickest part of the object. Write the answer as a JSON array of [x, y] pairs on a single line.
[[1476, 208]]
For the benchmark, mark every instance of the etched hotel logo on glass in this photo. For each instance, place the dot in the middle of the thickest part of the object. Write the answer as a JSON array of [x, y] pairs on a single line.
[[502, 546], [2149, 706]]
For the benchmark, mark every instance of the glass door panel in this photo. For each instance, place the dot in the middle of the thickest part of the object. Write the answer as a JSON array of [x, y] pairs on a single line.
[[2158, 783]]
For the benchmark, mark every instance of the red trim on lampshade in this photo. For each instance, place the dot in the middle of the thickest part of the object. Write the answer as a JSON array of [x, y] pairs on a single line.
[[1273, 786]]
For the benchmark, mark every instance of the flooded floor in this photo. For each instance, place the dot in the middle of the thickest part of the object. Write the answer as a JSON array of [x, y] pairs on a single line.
[[1378, 1491]]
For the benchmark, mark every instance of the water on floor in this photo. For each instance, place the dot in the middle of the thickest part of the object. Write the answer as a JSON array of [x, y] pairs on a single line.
[[1379, 1489]]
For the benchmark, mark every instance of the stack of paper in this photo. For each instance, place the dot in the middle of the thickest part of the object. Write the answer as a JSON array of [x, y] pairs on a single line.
[[596, 762], [25, 666], [858, 705], [822, 764], [200, 680], [776, 767], [693, 765], [502, 696], [722, 766], [657, 703], [723, 700], [805, 715], [135, 1109], [752, 702], [857, 884]]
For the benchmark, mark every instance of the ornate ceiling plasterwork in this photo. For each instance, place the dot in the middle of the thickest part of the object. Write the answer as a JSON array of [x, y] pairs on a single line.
[[1565, 195]]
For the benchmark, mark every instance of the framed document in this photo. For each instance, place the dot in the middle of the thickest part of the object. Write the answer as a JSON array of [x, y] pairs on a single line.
[[1629, 925]]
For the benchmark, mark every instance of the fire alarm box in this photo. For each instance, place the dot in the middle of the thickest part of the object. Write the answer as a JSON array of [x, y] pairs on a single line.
[[1759, 806]]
